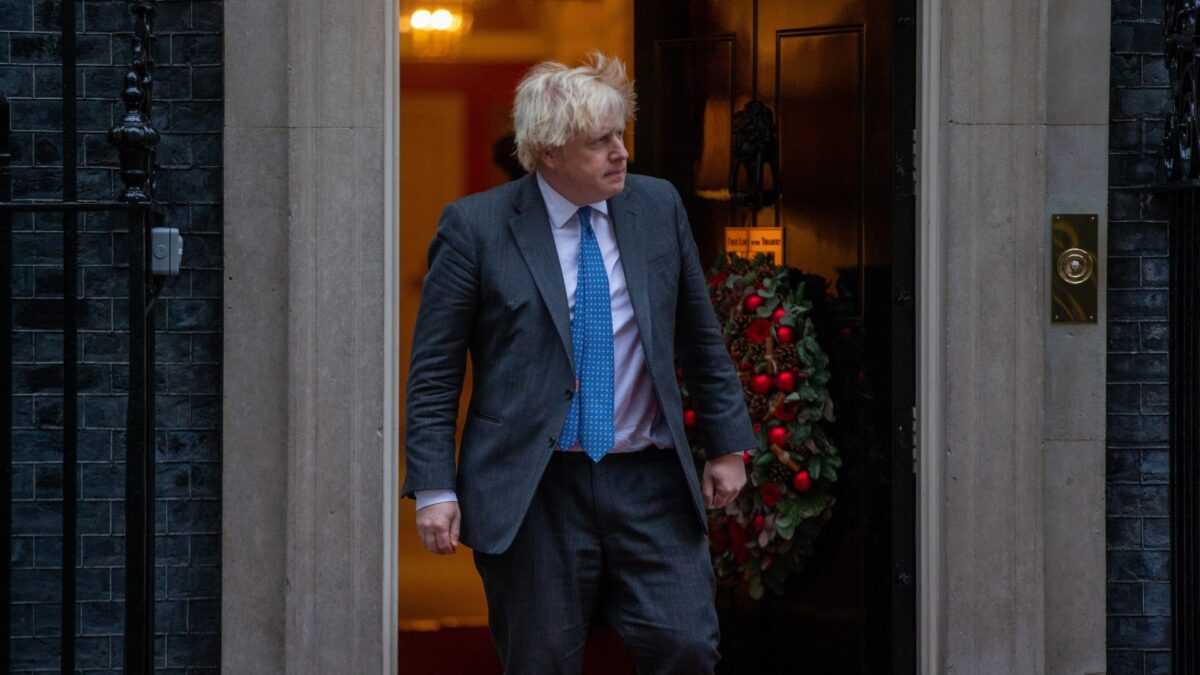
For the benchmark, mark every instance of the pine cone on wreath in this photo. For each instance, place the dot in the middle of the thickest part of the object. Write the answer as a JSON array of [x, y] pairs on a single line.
[[738, 347], [786, 353], [756, 405], [754, 352], [778, 473]]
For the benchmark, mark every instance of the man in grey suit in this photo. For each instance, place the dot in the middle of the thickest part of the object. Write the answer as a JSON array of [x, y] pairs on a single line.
[[574, 289]]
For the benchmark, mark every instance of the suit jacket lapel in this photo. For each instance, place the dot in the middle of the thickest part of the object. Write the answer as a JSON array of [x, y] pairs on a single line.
[[531, 229], [623, 213]]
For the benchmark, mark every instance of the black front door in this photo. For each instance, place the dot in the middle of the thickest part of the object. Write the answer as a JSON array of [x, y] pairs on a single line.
[[838, 76]]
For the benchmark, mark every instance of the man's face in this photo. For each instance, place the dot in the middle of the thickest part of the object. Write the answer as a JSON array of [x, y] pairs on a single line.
[[587, 169]]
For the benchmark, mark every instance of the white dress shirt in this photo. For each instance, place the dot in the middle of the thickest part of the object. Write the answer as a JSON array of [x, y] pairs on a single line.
[[637, 419]]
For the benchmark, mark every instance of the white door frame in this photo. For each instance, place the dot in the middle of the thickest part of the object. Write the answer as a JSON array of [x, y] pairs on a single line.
[[929, 340]]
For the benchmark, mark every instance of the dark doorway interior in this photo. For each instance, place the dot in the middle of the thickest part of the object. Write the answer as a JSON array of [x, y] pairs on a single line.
[[839, 77]]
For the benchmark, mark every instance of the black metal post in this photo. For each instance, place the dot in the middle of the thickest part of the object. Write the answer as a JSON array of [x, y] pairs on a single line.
[[1173, 434], [1179, 173], [78, 207], [1184, 369], [148, 442], [136, 138], [70, 273], [1185, 469], [6, 356], [1188, 474], [139, 520]]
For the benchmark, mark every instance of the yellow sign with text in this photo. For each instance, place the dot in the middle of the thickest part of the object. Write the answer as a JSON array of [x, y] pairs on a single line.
[[750, 241]]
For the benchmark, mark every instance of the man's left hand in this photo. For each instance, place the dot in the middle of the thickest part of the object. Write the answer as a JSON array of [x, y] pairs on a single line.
[[724, 478]]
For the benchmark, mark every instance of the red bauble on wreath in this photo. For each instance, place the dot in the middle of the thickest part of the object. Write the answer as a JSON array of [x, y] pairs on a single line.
[[777, 436], [760, 384], [785, 381], [766, 534]]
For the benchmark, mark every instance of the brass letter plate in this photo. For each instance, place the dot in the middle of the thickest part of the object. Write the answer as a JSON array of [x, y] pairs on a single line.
[[1073, 268], [749, 241]]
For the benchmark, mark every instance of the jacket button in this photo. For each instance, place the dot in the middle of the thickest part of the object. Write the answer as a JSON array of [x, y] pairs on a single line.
[[570, 393], [552, 441]]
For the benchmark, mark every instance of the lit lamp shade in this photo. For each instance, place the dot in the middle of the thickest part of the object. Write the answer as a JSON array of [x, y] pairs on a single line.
[[435, 31], [438, 19]]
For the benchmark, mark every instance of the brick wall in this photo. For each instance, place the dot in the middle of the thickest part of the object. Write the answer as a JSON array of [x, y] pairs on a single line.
[[1139, 602], [189, 113]]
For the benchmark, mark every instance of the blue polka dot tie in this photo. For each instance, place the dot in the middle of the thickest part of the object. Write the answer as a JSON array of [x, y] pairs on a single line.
[[590, 420]]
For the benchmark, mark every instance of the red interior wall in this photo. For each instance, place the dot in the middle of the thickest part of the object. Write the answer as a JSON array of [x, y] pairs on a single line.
[[488, 88]]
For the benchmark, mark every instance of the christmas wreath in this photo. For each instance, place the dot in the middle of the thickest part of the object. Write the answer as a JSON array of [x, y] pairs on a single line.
[[767, 532]]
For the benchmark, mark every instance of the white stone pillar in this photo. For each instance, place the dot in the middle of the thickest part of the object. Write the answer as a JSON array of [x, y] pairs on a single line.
[[255, 324], [1074, 386], [1023, 134], [335, 340], [305, 474]]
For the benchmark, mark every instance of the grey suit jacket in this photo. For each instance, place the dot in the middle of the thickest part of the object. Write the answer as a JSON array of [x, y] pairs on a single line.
[[495, 289]]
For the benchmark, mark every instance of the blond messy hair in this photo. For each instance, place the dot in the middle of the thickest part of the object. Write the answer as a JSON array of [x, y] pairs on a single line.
[[554, 103]]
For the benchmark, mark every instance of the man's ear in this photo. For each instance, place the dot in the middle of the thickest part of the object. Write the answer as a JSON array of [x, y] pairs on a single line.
[[546, 158]]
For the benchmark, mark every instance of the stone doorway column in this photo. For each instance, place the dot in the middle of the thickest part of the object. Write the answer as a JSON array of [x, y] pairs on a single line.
[[1012, 469], [306, 223]]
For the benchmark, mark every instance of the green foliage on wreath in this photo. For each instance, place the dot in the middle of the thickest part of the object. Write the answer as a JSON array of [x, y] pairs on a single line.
[[766, 534]]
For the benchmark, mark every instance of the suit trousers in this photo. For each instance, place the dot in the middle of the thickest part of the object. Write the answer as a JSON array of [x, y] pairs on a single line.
[[619, 540]]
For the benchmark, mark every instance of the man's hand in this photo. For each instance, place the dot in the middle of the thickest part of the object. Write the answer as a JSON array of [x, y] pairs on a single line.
[[437, 525], [724, 478]]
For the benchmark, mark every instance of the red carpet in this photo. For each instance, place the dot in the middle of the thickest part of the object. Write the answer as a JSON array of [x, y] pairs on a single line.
[[469, 651]]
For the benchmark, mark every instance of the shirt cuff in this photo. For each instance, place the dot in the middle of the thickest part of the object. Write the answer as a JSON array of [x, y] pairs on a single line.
[[431, 497]]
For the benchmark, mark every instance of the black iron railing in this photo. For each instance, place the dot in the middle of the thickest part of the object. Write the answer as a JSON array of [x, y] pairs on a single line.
[[1185, 429], [1180, 177], [136, 140]]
